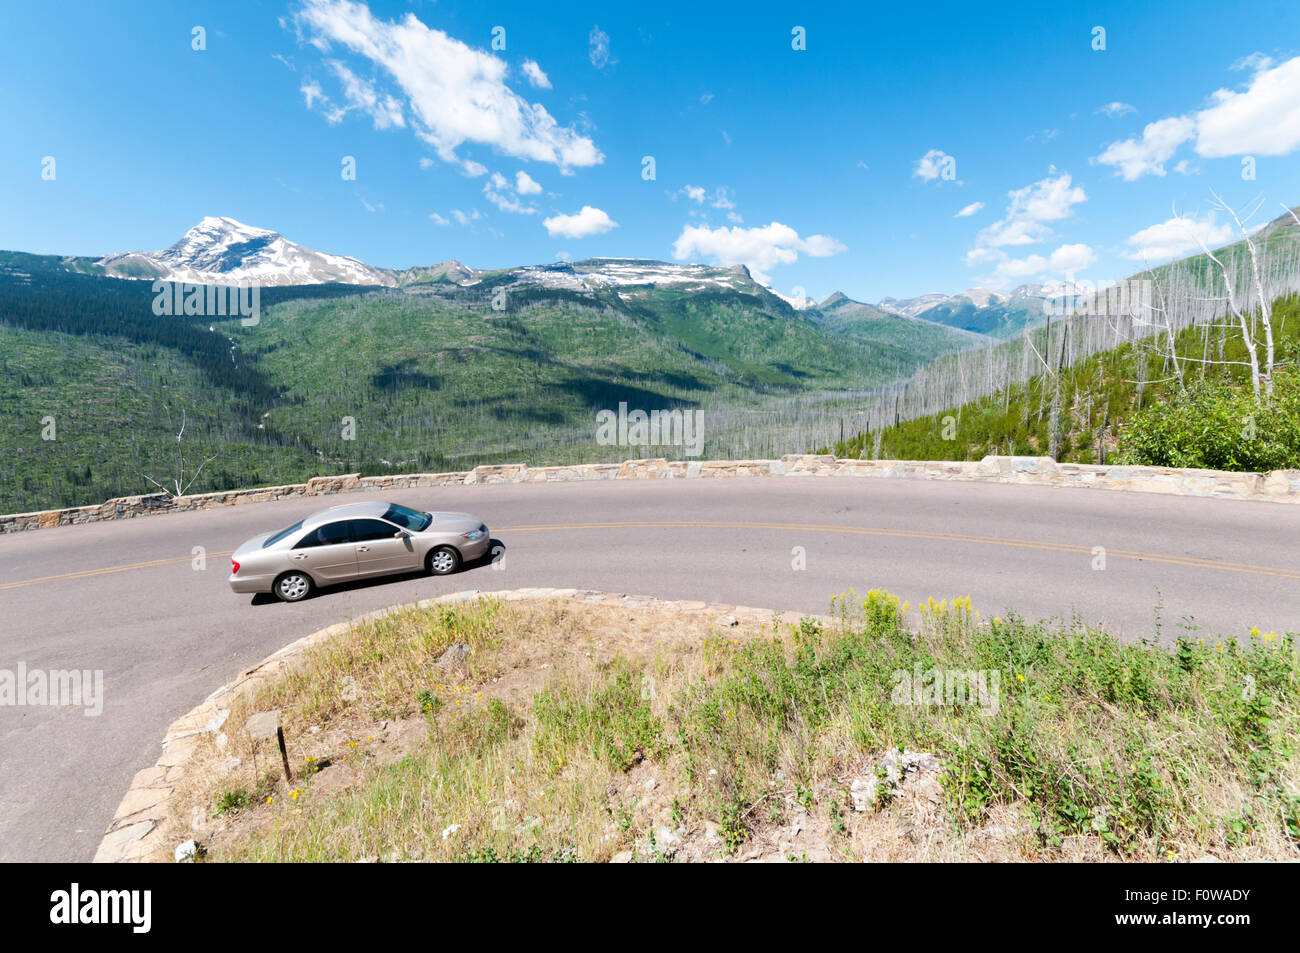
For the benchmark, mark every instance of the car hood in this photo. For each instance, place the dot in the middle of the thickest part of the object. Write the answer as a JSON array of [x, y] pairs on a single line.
[[453, 523]]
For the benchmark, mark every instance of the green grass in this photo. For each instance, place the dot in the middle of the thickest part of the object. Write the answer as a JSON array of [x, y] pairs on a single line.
[[1138, 751]]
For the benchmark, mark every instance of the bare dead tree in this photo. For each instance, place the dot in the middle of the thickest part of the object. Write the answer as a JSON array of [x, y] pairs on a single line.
[[1265, 310], [180, 486], [1247, 337]]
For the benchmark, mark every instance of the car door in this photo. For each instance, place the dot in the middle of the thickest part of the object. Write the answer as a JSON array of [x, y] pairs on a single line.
[[378, 550], [327, 553]]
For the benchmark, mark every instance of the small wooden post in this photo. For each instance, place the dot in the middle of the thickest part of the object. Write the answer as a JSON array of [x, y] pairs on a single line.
[[284, 755]]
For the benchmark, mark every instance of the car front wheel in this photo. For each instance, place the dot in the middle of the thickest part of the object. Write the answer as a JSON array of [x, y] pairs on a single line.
[[293, 587], [443, 561]]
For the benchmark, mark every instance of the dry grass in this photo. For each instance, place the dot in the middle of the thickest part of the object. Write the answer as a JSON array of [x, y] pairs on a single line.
[[597, 732]]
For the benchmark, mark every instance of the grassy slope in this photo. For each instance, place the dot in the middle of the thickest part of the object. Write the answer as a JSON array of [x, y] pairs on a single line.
[[1086, 748]]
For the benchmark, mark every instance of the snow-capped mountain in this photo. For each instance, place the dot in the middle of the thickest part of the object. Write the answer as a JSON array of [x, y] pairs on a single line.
[[592, 274], [222, 251], [979, 297]]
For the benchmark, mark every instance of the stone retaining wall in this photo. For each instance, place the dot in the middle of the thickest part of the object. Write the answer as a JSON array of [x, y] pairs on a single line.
[[140, 831], [1281, 486]]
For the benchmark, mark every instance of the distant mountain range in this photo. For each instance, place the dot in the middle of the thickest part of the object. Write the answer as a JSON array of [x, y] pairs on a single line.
[[979, 310], [223, 251], [442, 366]]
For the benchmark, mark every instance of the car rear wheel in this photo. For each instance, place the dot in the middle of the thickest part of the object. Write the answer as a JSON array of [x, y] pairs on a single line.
[[443, 561], [293, 586]]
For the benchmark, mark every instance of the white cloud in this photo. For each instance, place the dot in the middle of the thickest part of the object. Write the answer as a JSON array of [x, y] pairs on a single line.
[[1261, 119], [461, 218], [451, 94], [1175, 237], [1116, 109], [931, 165], [1030, 209], [312, 93], [383, 109], [589, 221], [1067, 260], [525, 185], [969, 210], [1254, 62], [498, 190], [426, 162], [1027, 222], [722, 198], [598, 48], [536, 75], [695, 193], [759, 248], [1134, 158]]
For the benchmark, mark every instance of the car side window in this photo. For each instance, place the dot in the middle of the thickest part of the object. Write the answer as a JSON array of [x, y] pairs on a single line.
[[326, 535], [367, 530]]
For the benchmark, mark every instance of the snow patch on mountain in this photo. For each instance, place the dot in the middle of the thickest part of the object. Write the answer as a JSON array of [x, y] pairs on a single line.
[[223, 251], [979, 297]]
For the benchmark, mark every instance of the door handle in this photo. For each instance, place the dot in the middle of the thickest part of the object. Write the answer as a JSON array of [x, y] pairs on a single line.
[[299, 555], [363, 549]]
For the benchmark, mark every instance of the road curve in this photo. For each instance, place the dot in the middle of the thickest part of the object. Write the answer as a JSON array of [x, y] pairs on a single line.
[[126, 597]]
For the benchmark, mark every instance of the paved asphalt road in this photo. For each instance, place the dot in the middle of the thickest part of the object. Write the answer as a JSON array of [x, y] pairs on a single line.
[[124, 597]]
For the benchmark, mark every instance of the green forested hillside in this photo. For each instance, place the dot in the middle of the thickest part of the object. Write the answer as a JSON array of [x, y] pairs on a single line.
[[431, 377], [1098, 399]]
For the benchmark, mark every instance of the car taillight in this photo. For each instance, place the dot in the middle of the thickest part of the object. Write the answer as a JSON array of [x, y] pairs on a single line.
[[234, 567]]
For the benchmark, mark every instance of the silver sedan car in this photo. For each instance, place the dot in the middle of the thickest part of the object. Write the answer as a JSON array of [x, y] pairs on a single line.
[[355, 541]]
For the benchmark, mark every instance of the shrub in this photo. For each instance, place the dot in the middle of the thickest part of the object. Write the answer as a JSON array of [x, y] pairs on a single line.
[[1219, 426]]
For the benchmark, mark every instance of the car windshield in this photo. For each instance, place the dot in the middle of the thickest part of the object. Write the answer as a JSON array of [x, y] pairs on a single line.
[[410, 519], [271, 541]]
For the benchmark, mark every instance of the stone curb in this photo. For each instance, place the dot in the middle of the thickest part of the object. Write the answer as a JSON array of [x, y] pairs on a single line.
[[1280, 486], [138, 832]]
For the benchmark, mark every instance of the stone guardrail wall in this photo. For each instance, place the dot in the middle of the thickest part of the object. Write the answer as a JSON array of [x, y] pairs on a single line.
[[1281, 486], [141, 830]]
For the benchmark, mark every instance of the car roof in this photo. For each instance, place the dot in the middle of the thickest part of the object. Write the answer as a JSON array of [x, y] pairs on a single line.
[[345, 511]]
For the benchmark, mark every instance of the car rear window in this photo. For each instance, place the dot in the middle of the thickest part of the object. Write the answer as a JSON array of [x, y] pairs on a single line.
[[282, 534]]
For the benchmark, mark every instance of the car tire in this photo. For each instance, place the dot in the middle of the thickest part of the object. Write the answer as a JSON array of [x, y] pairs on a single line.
[[442, 561], [293, 586]]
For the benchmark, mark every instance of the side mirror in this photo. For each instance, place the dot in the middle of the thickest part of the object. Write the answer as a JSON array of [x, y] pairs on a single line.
[[401, 534]]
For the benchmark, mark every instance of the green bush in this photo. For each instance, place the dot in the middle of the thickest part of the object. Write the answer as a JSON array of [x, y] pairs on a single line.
[[1216, 425]]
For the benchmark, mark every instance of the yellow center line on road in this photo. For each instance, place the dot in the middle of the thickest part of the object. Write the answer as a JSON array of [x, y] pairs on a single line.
[[82, 573], [1190, 561]]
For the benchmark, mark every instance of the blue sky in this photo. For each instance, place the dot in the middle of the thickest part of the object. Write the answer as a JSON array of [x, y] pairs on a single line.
[[842, 166]]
